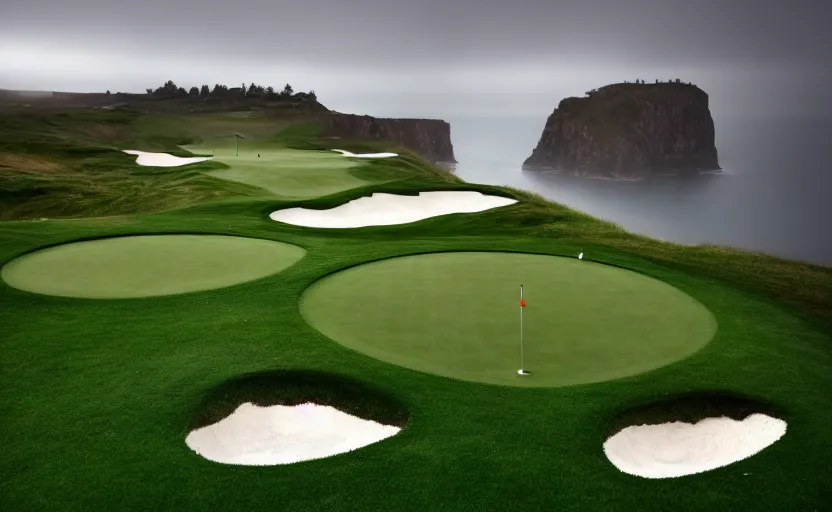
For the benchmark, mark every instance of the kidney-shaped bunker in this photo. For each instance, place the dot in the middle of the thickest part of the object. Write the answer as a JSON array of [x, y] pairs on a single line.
[[287, 417], [692, 434]]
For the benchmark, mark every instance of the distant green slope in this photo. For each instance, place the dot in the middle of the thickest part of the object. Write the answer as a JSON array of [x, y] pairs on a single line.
[[70, 164]]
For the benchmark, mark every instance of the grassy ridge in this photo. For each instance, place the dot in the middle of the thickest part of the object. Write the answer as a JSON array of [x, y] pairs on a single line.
[[97, 396], [71, 164]]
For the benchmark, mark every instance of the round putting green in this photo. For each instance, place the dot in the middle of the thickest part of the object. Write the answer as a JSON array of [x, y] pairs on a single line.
[[148, 265], [458, 315]]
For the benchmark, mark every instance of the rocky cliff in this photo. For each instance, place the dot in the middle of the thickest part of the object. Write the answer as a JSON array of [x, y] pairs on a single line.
[[629, 131], [430, 138]]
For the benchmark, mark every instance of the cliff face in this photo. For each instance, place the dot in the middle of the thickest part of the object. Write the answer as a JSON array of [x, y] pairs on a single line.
[[430, 138], [629, 131]]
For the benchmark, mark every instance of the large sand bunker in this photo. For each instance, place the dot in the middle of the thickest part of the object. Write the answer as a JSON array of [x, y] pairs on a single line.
[[676, 449], [279, 434], [164, 159], [365, 155], [388, 209]]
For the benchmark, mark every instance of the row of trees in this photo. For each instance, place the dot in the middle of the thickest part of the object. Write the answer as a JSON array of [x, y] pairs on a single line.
[[641, 81], [171, 90], [677, 81]]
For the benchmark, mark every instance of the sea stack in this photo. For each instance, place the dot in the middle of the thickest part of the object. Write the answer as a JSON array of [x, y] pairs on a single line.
[[629, 131]]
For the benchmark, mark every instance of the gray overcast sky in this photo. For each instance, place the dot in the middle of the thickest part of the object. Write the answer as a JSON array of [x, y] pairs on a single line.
[[430, 58]]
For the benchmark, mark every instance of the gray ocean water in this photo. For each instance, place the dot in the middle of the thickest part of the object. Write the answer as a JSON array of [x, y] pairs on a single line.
[[774, 195]]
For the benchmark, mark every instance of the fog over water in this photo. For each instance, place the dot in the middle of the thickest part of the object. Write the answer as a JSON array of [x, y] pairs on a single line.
[[774, 196]]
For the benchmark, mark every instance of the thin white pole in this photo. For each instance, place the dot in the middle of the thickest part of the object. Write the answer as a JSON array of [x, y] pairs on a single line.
[[522, 365]]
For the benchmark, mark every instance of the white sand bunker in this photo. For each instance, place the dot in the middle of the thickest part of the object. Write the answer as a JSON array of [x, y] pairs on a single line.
[[676, 449], [387, 209], [280, 434], [365, 155], [164, 159]]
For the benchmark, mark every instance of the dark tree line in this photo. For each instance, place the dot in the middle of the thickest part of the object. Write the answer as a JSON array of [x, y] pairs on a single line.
[[171, 90], [641, 81]]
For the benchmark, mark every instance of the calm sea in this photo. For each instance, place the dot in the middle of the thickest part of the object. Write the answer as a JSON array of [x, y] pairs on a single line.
[[774, 196]]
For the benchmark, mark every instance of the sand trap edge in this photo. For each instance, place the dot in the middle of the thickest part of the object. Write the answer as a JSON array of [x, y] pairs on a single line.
[[255, 435], [350, 154], [629, 448], [155, 159], [384, 209]]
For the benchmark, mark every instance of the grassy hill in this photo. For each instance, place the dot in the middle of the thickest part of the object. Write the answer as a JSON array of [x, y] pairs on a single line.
[[70, 163], [97, 395]]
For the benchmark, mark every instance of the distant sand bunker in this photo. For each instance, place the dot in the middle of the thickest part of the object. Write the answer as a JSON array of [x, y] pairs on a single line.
[[164, 159], [676, 449], [279, 434], [365, 155], [387, 209]]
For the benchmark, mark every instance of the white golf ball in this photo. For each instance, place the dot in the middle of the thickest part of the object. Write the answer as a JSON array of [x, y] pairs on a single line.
[[581, 256]]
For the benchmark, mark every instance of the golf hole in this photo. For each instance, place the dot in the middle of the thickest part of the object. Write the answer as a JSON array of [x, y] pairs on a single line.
[[288, 417], [387, 209], [710, 432], [163, 159]]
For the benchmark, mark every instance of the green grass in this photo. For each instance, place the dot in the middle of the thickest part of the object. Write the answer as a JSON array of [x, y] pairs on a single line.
[[71, 164], [289, 173], [98, 395], [456, 315], [144, 266], [274, 165]]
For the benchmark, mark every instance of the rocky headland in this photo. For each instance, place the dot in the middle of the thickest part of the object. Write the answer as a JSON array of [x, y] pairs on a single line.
[[629, 131]]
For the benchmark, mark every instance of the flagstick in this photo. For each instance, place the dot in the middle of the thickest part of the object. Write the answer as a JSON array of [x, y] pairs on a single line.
[[521, 371]]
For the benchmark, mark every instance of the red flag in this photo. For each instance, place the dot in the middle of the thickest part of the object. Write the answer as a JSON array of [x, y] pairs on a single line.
[[522, 303]]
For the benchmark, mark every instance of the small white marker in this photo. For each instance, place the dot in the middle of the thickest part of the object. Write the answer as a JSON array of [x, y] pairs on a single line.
[[581, 256]]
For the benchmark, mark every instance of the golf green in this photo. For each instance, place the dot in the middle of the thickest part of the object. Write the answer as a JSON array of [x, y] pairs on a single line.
[[458, 315], [284, 172], [150, 265]]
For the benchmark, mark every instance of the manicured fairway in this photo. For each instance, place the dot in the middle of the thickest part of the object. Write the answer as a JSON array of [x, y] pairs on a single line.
[[457, 315], [143, 266], [285, 172]]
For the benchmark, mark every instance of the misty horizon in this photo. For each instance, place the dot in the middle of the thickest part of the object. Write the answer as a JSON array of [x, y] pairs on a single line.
[[431, 59]]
